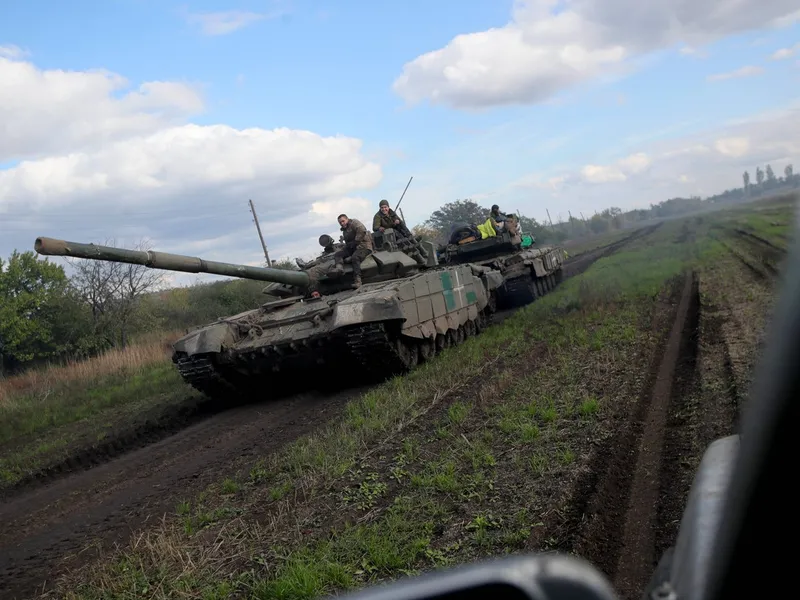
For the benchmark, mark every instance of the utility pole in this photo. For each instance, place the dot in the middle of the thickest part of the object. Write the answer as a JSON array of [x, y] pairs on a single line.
[[261, 237]]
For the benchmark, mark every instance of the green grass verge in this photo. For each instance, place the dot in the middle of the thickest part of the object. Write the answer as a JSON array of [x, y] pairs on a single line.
[[48, 425]]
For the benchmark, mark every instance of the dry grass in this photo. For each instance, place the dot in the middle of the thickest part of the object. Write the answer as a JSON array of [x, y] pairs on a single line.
[[45, 399], [40, 383]]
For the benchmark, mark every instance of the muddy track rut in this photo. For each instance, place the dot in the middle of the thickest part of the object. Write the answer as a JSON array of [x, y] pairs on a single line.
[[66, 519], [54, 526]]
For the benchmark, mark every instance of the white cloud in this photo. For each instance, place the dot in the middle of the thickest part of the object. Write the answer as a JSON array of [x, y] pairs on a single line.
[[785, 53], [746, 71], [12, 51], [47, 111], [551, 45], [703, 163], [620, 171], [733, 146], [602, 174], [635, 163], [90, 163], [223, 23]]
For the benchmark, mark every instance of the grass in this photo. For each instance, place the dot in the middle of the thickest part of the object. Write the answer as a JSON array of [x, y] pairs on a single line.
[[587, 244], [46, 413], [461, 459]]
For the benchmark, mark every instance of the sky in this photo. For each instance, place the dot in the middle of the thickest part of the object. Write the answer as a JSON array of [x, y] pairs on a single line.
[[144, 121]]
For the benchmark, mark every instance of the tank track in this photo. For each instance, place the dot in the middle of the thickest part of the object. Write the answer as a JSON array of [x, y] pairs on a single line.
[[372, 348], [518, 292], [201, 373]]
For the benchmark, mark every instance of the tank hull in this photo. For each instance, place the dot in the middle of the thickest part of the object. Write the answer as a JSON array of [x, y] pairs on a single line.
[[527, 274], [384, 328]]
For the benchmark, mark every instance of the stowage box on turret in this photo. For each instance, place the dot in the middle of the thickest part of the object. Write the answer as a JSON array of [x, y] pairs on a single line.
[[406, 311]]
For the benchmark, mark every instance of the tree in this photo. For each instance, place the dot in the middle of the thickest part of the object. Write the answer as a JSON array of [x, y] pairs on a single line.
[[29, 290], [113, 290], [285, 264], [759, 176], [746, 178], [428, 234], [788, 172], [770, 175], [453, 213]]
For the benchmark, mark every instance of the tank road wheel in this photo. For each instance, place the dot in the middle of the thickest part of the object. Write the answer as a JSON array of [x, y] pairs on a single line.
[[460, 335], [442, 342], [469, 328], [427, 349], [533, 294], [540, 286], [408, 352]]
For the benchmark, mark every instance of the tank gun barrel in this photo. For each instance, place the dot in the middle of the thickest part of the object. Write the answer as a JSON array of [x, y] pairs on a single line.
[[168, 262]]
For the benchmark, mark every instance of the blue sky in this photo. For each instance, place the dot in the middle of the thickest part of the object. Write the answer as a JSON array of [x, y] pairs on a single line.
[[329, 67]]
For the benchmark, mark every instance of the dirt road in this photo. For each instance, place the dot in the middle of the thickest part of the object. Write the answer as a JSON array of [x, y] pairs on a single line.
[[55, 526]]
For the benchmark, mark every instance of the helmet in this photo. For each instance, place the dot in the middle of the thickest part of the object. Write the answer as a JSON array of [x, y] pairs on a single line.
[[383, 203], [325, 240]]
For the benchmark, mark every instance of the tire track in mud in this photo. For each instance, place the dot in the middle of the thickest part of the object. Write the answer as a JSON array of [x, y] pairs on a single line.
[[637, 554], [613, 513], [53, 527], [579, 264], [766, 259]]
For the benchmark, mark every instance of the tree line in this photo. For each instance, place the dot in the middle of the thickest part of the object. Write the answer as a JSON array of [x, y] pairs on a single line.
[[438, 226], [46, 315]]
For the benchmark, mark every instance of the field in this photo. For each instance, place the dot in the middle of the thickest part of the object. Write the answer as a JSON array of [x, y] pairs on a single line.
[[574, 424]]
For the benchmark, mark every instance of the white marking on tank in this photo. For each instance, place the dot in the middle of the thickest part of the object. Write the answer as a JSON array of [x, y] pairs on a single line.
[[459, 288]]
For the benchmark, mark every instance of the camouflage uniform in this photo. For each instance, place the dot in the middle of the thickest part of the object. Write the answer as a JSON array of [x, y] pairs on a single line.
[[387, 221], [320, 265], [357, 245], [414, 250]]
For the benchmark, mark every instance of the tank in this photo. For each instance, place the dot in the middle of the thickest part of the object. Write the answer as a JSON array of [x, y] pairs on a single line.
[[529, 271], [408, 308]]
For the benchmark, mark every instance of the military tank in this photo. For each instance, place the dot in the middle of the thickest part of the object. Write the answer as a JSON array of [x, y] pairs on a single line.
[[316, 326], [529, 271]]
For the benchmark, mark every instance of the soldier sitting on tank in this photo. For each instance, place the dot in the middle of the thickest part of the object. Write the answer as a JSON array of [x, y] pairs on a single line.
[[512, 226], [357, 246], [497, 218], [320, 265], [386, 218]]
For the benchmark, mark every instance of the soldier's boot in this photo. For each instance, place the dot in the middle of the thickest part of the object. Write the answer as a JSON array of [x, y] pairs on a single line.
[[356, 276]]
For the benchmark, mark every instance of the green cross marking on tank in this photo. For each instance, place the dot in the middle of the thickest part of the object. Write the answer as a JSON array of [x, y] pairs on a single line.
[[472, 297], [447, 281], [447, 284]]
